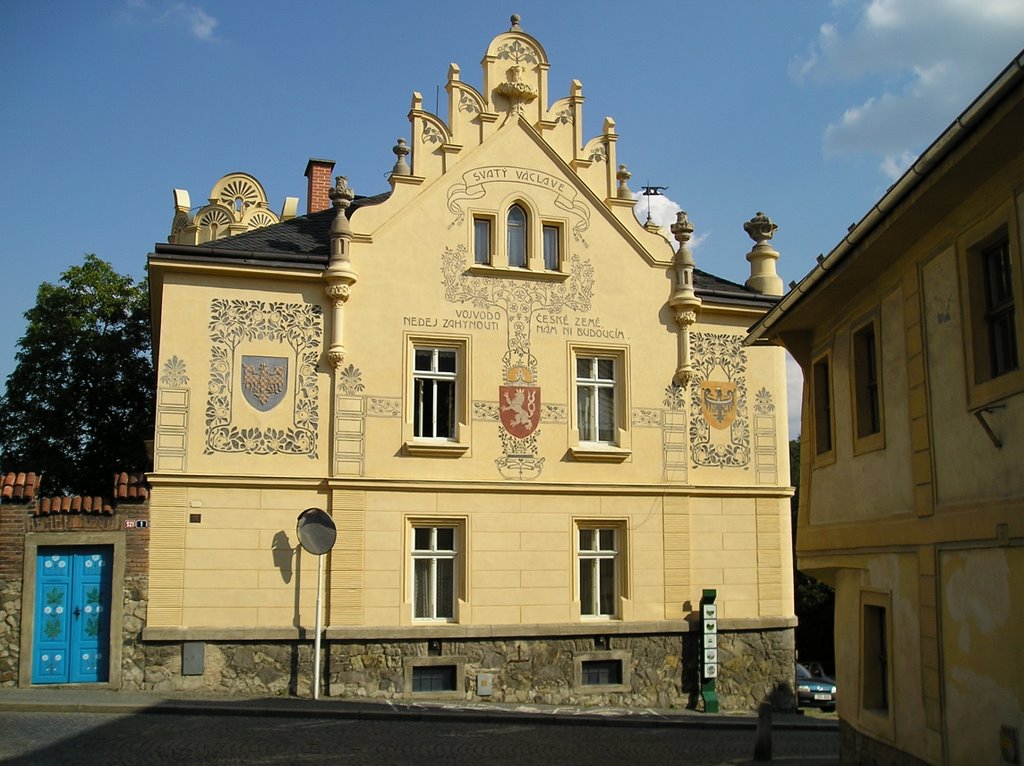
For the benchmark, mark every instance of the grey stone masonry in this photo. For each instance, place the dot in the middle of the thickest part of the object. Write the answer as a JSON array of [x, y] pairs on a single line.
[[652, 670]]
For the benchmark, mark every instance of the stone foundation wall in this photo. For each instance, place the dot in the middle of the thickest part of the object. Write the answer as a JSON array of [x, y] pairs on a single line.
[[658, 670], [10, 631], [757, 666], [133, 651], [13, 522]]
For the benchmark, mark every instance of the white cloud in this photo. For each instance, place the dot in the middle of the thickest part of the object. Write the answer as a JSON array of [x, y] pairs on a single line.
[[926, 60], [895, 166], [663, 210], [200, 23]]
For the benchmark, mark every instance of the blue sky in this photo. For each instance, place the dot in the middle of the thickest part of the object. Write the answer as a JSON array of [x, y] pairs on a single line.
[[805, 109]]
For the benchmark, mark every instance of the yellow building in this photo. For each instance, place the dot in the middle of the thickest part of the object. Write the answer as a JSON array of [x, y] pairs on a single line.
[[532, 420], [909, 335]]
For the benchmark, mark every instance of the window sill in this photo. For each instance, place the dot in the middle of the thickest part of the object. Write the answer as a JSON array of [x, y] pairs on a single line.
[[994, 390], [433, 622], [480, 270], [870, 443], [598, 453], [822, 459], [438, 448]]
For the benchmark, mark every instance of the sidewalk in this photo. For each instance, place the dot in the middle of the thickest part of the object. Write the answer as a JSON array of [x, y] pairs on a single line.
[[78, 699]]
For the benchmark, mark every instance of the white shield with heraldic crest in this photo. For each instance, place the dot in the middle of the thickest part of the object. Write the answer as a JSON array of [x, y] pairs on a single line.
[[264, 381]]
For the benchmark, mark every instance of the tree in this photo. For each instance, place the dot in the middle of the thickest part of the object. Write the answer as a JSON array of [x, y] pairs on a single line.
[[79, 404]]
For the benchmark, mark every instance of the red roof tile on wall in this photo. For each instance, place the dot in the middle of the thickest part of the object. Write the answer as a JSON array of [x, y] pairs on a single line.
[[23, 487], [19, 487], [49, 506]]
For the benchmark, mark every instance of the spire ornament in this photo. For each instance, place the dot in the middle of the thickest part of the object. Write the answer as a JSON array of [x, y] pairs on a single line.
[[763, 276], [401, 150], [518, 93], [684, 300], [623, 176], [339, 275]]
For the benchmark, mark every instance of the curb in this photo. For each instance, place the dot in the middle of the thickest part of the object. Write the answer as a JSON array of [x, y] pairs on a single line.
[[293, 708]]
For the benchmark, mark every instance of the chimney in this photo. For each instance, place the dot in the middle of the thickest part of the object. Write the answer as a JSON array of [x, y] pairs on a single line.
[[318, 191]]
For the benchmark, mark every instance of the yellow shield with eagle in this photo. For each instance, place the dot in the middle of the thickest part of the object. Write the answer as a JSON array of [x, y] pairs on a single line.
[[718, 401]]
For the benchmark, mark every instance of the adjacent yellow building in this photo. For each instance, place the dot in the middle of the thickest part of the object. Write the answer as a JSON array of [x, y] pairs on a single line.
[[909, 334], [532, 420]]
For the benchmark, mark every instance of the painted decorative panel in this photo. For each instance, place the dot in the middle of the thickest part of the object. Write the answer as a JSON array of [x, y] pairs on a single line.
[[719, 427], [520, 405], [169, 453], [266, 381]]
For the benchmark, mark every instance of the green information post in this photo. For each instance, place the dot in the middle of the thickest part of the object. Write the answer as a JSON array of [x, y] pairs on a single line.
[[709, 650]]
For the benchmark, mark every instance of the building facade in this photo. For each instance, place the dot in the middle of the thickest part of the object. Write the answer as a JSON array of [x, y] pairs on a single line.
[[532, 420], [909, 336]]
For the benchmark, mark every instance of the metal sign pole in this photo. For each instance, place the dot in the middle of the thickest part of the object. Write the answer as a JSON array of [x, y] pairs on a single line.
[[317, 534], [319, 628]]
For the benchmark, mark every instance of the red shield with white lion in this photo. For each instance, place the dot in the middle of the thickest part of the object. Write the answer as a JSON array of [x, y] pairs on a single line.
[[519, 408]]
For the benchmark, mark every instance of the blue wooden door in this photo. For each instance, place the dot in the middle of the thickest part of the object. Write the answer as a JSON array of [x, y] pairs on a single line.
[[72, 620]]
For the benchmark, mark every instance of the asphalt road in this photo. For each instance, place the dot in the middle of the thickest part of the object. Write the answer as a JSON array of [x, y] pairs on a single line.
[[46, 738]]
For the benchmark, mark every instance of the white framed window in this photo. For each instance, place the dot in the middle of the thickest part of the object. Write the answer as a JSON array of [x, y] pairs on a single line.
[[435, 377], [437, 374], [599, 552], [551, 244], [518, 233], [599, 428], [483, 240], [595, 399], [516, 240], [434, 572]]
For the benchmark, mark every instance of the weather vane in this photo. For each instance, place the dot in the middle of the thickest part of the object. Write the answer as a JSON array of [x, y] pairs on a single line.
[[652, 191]]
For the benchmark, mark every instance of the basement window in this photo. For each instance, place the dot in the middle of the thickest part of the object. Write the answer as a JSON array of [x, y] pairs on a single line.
[[435, 677], [601, 672], [439, 678]]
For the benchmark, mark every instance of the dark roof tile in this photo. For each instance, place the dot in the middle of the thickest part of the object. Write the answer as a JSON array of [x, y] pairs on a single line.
[[307, 239]]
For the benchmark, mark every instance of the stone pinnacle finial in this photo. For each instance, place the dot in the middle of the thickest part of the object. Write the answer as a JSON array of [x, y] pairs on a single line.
[[684, 301], [515, 23], [623, 177], [760, 228], [401, 167], [763, 276], [682, 229], [341, 193]]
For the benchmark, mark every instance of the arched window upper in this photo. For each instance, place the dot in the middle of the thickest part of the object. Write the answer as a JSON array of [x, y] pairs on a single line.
[[517, 236]]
